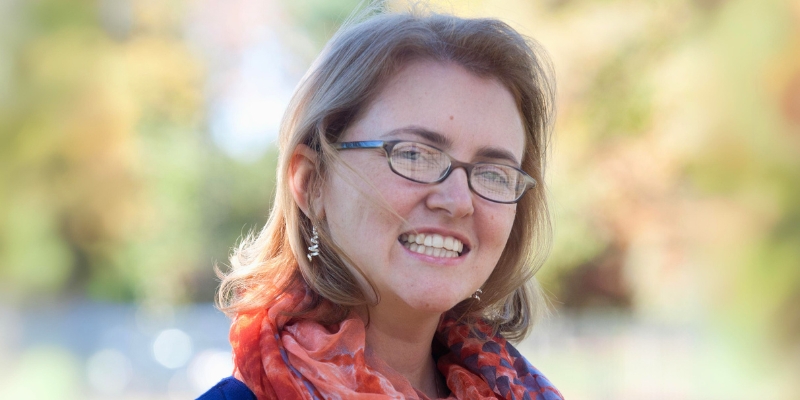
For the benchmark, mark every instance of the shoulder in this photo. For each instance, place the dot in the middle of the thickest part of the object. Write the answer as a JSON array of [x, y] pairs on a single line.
[[228, 389]]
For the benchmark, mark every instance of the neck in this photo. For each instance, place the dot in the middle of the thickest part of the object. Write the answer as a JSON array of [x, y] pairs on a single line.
[[403, 342]]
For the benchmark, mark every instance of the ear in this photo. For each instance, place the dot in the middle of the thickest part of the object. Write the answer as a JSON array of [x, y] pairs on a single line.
[[301, 170]]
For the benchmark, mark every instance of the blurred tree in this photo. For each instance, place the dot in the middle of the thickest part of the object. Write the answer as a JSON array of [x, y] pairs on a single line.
[[320, 18], [94, 121]]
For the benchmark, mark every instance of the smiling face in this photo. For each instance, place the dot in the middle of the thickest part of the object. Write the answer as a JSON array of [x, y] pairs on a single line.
[[471, 118]]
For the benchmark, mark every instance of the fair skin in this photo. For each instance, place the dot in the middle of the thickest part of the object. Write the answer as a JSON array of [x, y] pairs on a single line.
[[471, 118]]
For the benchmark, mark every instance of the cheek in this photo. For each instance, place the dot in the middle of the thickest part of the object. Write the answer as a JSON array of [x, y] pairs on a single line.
[[499, 226], [504, 218], [357, 205]]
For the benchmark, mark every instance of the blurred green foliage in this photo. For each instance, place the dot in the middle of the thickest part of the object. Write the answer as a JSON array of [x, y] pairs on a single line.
[[320, 18], [109, 187]]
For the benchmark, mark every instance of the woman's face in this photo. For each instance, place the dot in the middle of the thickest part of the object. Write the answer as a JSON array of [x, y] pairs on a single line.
[[471, 118]]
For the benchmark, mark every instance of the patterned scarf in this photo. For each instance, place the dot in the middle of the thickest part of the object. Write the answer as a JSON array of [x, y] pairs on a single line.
[[278, 357]]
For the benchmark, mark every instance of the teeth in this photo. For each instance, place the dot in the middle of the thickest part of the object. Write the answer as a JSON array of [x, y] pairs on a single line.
[[433, 245], [438, 241]]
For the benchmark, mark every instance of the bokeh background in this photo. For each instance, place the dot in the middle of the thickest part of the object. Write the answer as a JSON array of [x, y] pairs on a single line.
[[137, 146]]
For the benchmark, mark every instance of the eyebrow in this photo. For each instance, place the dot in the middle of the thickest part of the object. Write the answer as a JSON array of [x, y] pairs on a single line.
[[430, 136], [443, 141]]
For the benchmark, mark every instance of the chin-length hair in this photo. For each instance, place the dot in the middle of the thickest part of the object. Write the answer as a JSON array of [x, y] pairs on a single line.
[[351, 71]]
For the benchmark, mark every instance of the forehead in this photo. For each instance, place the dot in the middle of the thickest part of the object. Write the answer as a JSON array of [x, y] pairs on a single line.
[[472, 112]]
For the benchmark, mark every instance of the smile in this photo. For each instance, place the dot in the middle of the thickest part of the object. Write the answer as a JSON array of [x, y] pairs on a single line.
[[432, 245]]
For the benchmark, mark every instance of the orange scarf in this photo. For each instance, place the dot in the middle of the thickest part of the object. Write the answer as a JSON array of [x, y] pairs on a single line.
[[279, 357]]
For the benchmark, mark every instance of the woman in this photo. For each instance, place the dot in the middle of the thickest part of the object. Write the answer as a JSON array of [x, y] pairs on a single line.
[[408, 222]]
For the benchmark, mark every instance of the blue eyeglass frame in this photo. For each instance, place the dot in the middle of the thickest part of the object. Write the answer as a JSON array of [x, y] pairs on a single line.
[[388, 145]]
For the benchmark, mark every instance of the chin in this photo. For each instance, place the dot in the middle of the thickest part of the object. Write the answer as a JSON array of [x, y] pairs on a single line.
[[434, 302]]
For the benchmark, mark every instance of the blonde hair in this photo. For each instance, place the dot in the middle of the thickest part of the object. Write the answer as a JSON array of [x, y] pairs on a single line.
[[342, 82]]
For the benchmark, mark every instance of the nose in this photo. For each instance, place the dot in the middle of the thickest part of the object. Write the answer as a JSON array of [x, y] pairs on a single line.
[[452, 195]]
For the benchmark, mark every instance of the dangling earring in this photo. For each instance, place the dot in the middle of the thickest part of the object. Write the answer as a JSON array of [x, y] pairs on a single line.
[[313, 250], [477, 295]]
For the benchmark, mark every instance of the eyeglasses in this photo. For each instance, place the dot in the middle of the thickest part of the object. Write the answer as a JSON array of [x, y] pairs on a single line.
[[422, 163]]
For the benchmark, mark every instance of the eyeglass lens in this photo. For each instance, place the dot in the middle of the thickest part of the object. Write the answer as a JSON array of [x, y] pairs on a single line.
[[427, 164]]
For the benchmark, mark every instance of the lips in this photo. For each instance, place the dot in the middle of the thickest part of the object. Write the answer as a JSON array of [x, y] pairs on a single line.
[[432, 244]]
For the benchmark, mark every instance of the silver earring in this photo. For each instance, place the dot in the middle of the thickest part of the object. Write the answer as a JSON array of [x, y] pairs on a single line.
[[477, 295], [313, 250]]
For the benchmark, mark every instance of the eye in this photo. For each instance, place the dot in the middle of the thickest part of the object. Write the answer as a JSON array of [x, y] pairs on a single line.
[[409, 153], [415, 152], [494, 175]]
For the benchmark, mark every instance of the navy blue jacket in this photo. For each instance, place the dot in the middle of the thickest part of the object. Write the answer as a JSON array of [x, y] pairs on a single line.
[[228, 389]]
